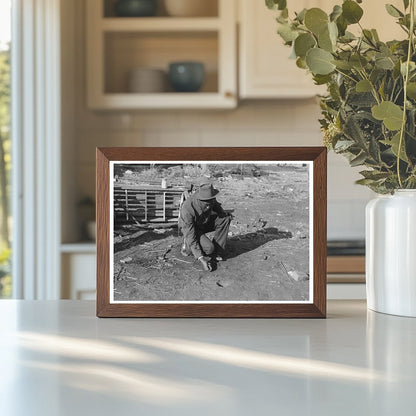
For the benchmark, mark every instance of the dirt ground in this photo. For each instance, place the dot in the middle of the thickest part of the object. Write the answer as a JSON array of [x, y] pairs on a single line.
[[267, 252]]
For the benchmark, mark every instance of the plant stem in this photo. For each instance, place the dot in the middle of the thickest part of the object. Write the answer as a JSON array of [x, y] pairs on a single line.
[[346, 75], [373, 88], [406, 79]]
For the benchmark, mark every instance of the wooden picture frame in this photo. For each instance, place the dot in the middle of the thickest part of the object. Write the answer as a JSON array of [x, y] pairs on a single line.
[[313, 159]]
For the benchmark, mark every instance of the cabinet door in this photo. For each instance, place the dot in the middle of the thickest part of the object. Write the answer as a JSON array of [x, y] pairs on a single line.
[[78, 276], [265, 68]]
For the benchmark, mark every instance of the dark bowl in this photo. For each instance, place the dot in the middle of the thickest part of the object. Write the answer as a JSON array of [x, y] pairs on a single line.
[[135, 8], [186, 76]]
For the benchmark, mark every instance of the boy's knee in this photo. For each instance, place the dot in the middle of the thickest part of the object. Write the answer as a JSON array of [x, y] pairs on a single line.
[[209, 249], [207, 245]]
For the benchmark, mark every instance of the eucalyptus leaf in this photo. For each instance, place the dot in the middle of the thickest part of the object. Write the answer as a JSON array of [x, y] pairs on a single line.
[[342, 25], [375, 35], [384, 62], [281, 19], [316, 20], [345, 65], [320, 61], [347, 37], [361, 100], [354, 132], [374, 150], [301, 63], [276, 4], [412, 67], [343, 145], [336, 12], [333, 32], [411, 90], [369, 36], [321, 79], [358, 61], [365, 182], [374, 174], [358, 160], [411, 119], [406, 4], [287, 33], [363, 86], [382, 89], [303, 43], [351, 11], [301, 15], [405, 21], [325, 42], [393, 11], [394, 144], [388, 112]]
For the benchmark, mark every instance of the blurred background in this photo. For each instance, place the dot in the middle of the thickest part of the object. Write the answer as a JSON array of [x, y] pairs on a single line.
[[101, 73]]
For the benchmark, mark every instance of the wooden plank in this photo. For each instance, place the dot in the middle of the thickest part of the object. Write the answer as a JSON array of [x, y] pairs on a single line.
[[164, 206], [149, 188], [127, 206], [145, 205]]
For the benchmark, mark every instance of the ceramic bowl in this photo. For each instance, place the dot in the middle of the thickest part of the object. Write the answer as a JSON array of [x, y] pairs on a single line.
[[135, 8], [147, 80], [186, 76]]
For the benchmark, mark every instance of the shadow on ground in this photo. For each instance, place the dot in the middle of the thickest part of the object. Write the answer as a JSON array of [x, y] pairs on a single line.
[[244, 243], [143, 236]]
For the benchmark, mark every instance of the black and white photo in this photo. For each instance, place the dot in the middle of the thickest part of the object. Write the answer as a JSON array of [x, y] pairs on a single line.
[[194, 231]]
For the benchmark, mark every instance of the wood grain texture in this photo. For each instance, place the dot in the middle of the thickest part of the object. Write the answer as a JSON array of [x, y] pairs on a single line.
[[346, 264], [317, 309]]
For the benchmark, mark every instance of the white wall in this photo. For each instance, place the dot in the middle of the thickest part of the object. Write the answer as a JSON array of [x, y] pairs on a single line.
[[254, 123]]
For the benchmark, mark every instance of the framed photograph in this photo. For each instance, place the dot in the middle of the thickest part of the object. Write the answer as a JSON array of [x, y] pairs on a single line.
[[211, 232]]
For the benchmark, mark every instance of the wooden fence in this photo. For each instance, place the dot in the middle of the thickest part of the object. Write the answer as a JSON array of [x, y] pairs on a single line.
[[146, 204]]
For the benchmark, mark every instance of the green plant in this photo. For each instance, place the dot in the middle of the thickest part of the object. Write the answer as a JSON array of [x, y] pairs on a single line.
[[5, 280], [369, 112]]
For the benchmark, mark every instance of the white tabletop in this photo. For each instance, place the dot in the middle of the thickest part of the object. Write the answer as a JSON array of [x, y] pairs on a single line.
[[57, 358]]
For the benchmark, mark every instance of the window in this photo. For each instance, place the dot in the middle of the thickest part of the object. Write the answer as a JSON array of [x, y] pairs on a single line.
[[5, 147]]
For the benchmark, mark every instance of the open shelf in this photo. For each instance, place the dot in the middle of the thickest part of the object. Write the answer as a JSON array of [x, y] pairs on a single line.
[[126, 51], [168, 100], [160, 24], [116, 46], [210, 9]]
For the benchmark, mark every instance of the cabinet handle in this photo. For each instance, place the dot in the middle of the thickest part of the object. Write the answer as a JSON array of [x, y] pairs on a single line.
[[229, 94]]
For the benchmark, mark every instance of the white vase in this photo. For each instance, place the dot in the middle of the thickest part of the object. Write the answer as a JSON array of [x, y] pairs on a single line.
[[391, 253]]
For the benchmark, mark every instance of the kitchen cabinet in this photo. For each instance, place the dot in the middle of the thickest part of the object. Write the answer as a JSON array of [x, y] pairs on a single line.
[[265, 70], [118, 45], [78, 262]]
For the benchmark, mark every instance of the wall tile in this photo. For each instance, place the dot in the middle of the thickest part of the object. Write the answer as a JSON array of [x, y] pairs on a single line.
[[171, 138], [88, 140], [197, 120], [160, 119], [231, 138]]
